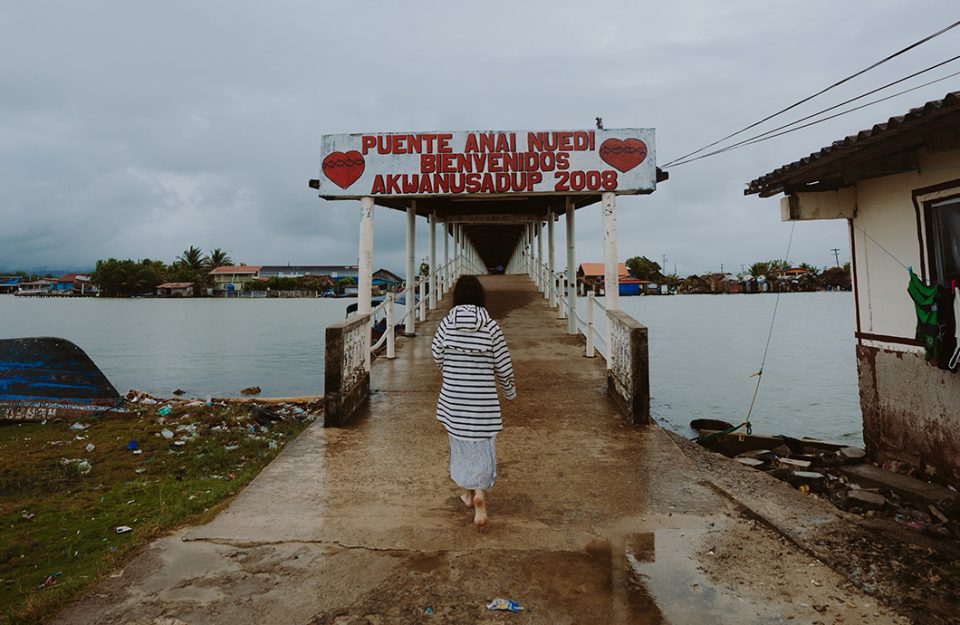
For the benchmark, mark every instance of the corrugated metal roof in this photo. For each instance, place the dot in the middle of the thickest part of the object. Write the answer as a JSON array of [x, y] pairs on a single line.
[[593, 270], [231, 269], [773, 182]]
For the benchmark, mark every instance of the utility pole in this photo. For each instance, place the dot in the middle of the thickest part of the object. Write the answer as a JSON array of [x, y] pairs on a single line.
[[721, 267], [663, 265], [836, 254]]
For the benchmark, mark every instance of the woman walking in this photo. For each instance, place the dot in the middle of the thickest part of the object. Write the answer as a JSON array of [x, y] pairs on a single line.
[[472, 355]]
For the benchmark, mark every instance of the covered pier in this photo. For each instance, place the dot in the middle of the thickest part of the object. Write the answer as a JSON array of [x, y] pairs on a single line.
[[492, 203]]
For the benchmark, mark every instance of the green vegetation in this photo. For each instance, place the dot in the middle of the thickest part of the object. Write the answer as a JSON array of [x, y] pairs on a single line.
[[127, 278], [59, 519], [643, 268]]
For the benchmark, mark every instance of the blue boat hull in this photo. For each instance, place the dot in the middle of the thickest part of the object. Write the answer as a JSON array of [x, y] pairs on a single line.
[[51, 378]]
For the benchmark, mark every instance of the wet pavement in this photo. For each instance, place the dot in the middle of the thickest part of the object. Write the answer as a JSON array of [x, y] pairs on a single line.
[[591, 520]]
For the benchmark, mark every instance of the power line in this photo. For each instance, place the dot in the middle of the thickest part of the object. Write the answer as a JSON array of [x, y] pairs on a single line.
[[821, 92], [836, 106], [765, 137]]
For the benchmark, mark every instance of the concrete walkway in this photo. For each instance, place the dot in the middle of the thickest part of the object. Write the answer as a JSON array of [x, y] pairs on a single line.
[[592, 521]]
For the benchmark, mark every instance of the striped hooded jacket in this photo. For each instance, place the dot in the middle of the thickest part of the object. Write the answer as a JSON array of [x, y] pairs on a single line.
[[472, 355]]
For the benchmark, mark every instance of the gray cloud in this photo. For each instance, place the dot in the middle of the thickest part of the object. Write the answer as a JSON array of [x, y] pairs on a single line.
[[138, 129]]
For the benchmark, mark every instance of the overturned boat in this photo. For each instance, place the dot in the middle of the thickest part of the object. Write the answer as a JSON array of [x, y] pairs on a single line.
[[52, 378]]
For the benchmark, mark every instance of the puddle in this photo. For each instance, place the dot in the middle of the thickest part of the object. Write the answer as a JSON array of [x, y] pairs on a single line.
[[663, 584]]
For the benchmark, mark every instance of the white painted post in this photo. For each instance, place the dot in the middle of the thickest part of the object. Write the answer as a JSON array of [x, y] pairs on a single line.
[[531, 267], [391, 336], [365, 270], [571, 270], [410, 325], [446, 261], [561, 300], [541, 284], [423, 299], [611, 277], [591, 350], [611, 269], [551, 258], [433, 260], [456, 252]]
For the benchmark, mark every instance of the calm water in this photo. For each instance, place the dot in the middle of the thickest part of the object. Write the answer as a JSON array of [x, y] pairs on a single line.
[[703, 350], [203, 346]]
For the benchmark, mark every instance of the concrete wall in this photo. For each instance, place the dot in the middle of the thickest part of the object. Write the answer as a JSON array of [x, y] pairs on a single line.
[[628, 378], [910, 411], [346, 384]]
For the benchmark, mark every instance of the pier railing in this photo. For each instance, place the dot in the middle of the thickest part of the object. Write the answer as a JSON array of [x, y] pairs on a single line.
[[621, 340]]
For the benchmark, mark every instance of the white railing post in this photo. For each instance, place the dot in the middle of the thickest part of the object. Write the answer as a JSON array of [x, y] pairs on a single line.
[[391, 336], [423, 299], [591, 350]]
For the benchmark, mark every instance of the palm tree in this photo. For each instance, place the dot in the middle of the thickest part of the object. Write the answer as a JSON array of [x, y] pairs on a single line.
[[759, 269], [193, 259], [194, 262], [218, 258]]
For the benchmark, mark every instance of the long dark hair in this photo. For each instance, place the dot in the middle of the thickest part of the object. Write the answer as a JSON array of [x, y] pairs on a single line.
[[468, 290]]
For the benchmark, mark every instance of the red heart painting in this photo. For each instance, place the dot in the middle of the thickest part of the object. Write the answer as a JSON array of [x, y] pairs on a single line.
[[343, 168], [623, 154]]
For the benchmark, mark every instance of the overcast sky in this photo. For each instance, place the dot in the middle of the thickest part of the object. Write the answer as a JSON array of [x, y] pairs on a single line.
[[136, 129]]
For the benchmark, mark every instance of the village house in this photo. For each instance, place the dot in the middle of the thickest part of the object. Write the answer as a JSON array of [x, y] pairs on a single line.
[[9, 284], [299, 271], [897, 186], [385, 281], [228, 281], [40, 286], [73, 284], [590, 276], [175, 289]]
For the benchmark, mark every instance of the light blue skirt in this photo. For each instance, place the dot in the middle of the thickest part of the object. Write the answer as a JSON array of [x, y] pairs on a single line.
[[473, 464]]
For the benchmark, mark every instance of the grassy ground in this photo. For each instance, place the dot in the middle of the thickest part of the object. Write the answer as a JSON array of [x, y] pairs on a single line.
[[61, 501]]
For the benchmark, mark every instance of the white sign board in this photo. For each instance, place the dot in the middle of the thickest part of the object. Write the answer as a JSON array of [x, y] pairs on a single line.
[[488, 163]]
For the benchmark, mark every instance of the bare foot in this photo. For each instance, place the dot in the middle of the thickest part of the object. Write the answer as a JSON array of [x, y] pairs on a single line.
[[467, 499], [480, 510]]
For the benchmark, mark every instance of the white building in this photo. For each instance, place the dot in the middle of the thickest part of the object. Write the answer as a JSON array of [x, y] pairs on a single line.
[[898, 186]]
